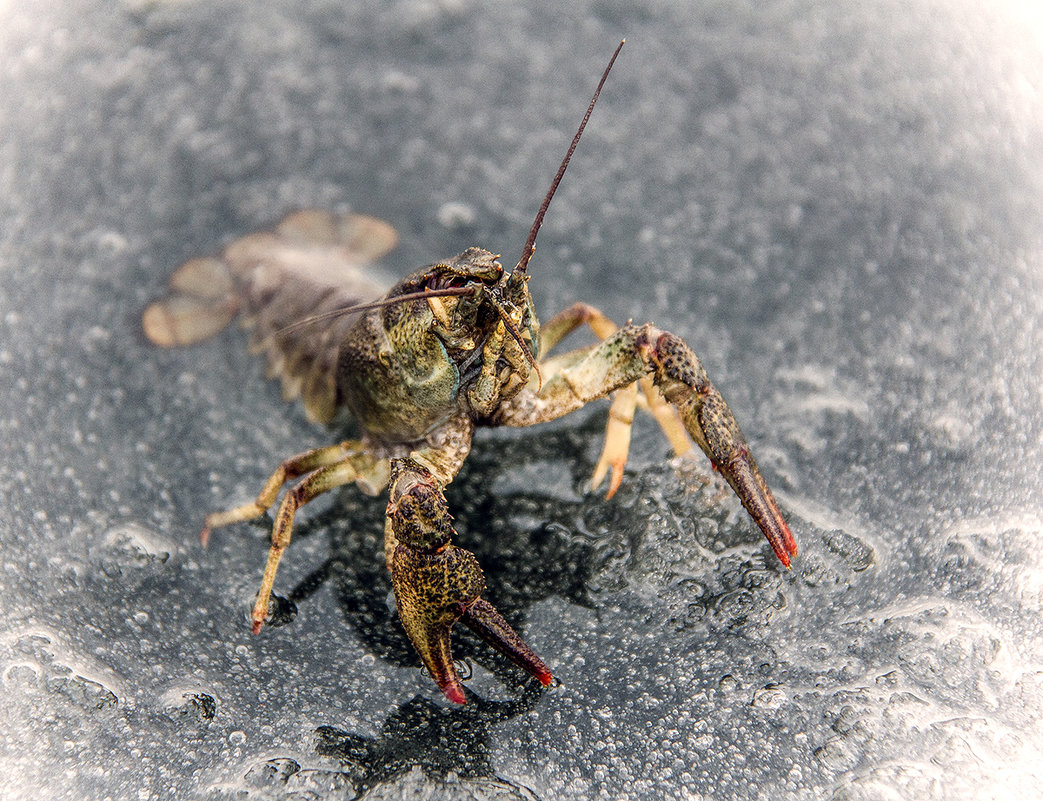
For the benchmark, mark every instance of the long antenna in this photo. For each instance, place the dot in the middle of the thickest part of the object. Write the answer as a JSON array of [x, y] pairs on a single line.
[[376, 304], [530, 243]]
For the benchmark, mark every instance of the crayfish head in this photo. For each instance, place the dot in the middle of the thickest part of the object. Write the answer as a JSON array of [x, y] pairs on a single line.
[[474, 265], [495, 298]]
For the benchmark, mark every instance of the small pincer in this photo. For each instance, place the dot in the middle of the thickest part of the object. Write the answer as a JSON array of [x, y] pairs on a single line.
[[731, 456], [712, 426]]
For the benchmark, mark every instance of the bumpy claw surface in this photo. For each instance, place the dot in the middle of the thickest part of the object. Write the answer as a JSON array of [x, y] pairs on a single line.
[[433, 591], [437, 583], [639, 353], [711, 424]]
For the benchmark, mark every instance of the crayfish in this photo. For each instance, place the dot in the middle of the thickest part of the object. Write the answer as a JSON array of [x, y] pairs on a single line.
[[452, 347]]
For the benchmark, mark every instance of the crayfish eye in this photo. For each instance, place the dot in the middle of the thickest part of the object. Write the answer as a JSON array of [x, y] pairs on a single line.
[[448, 282]]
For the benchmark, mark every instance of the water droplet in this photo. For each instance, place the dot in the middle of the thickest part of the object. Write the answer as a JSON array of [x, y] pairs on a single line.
[[856, 554], [190, 709], [129, 548], [272, 773], [58, 677], [769, 698], [281, 611]]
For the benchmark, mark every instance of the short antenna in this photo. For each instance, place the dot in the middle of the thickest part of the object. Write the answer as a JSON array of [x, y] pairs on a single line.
[[530, 243]]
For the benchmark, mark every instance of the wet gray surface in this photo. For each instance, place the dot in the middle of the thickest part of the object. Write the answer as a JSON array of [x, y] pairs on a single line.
[[838, 204]]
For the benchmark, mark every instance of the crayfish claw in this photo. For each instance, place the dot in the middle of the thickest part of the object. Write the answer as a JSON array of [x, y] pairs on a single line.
[[742, 474], [717, 432], [437, 583], [483, 619], [432, 592], [710, 423]]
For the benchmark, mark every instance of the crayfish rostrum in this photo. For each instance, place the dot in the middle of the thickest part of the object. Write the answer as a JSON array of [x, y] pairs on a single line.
[[452, 347]]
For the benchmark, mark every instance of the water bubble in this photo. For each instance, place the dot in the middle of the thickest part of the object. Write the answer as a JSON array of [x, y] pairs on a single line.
[[272, 773], [769, 698], [190, 709], [130, 548], [855, 553], [316, 783], [39, 666]]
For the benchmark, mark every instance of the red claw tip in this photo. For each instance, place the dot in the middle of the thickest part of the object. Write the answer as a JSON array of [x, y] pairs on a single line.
[[781, 540], [257, 626], [454, 692]]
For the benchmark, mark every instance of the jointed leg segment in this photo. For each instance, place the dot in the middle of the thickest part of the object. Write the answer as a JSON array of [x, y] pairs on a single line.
[[635, 352], [291, 468], [324, 469], [621, 413]]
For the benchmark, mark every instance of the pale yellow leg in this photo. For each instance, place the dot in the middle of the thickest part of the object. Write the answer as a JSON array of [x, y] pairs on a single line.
[[290, 469], [617, 440], [616, 447], [323, 469], [666, 415], [322, 480], [568, 320]]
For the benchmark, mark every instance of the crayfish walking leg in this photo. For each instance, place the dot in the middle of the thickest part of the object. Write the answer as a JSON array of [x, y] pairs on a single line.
[[323, 469]]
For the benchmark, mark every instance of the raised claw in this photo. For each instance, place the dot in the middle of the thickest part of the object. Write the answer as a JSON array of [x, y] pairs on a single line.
[[711, 424], [437, 583]]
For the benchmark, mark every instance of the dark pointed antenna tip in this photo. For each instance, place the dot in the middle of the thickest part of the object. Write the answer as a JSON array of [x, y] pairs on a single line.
[[530, 243]]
